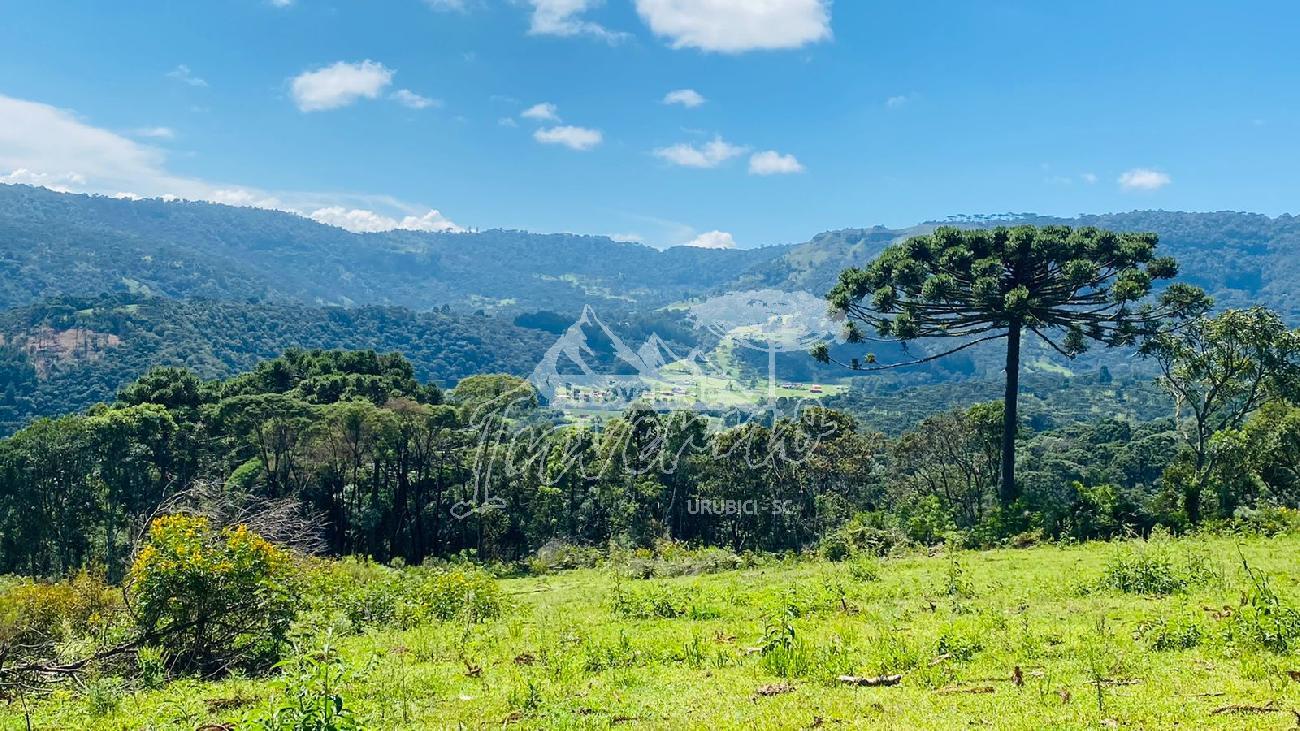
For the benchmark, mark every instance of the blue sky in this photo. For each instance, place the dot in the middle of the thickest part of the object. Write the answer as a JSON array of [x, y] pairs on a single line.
[[805, 115]]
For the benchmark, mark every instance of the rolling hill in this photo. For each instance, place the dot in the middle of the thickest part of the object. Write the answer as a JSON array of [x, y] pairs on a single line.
[[98, 289]]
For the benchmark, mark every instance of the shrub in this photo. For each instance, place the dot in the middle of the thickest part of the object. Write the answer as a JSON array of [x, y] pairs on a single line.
[[312, 699], [873, 533], [464, 592], [1264, 620], [1172, 633], [1154, 569], [212, 599], [1265, 521], [36, 617], [784, 653], [371, 595], [669, 558], [557, 555], [928, 521], [656, 602], [961, 642], [864, 568], [835, 547]]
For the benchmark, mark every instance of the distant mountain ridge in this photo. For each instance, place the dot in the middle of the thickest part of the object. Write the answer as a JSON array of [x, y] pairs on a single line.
[[98, 289], [1241, 259], [54, 244]]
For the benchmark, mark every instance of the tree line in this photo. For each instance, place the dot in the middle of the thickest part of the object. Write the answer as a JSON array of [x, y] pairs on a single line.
[[391, 467]]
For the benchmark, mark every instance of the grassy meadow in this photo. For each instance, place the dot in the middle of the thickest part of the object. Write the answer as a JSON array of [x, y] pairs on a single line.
[[1170, 633]]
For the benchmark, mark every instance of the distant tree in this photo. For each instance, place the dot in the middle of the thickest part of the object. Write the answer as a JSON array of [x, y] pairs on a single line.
[[1219, 371], [174, 388], [953, 457], [1003, 283]]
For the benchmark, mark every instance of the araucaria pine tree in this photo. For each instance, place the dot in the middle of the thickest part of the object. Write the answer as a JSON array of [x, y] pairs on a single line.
[[1068, 287]]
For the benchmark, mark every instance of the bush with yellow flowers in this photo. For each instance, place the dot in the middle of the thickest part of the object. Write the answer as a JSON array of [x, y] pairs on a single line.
[[213, 599], [39, 619]]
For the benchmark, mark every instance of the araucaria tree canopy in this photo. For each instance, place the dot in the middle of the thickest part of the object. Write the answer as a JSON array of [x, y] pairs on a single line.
[[1065, 286]]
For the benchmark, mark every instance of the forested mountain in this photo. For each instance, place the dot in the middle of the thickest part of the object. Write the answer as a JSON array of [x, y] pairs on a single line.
[[1239, 258], [61, 356], [217, 288], [55, 244]]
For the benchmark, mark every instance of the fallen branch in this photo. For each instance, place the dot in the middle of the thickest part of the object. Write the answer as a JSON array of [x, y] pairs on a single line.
[[1269, 707], [869, 682]]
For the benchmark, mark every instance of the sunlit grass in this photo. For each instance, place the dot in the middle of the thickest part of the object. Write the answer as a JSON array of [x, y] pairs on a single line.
[[764, 648]]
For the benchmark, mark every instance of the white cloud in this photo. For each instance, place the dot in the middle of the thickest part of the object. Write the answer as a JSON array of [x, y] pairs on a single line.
[[364, 221], [1144, 179], [735, 26], [160, 133], [1089, 178], [688, 98], [576, 138], [627, 238], [544, 111], [713, 240], [49, 147], [183, 74], [900, 101], [771, 162], [507, 122], [459, 6], [411, 100], [710, 155], [564, 18], [60, 182], [339, 85], [282, 3]]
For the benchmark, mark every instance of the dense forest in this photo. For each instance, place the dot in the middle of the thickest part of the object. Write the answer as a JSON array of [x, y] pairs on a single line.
[[390, 467], [63, 355], [54, 244]]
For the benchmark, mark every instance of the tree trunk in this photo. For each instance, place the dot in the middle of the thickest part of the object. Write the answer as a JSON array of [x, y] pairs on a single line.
[[1192, 492], [1008, 492]]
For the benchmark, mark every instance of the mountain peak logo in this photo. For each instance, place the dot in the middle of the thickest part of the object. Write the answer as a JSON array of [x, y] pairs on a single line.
[[592, 368]]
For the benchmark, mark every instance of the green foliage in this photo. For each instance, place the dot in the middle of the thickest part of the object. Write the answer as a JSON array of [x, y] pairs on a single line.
[[1220, 370], [36, 617], [1001, 283], [1154, 568], [1265, 620], [864, 568], [927, 520], [873, 533], [835, 547], [312, 697], [1177, 632], [647, 601], [671, 558], [557, 555], [784, 653], [368, 595], [466, 593], [213, 599], [212, 339]]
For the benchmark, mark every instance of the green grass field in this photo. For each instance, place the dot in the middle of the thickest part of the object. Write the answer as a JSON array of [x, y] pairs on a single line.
[[1005, 639]]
